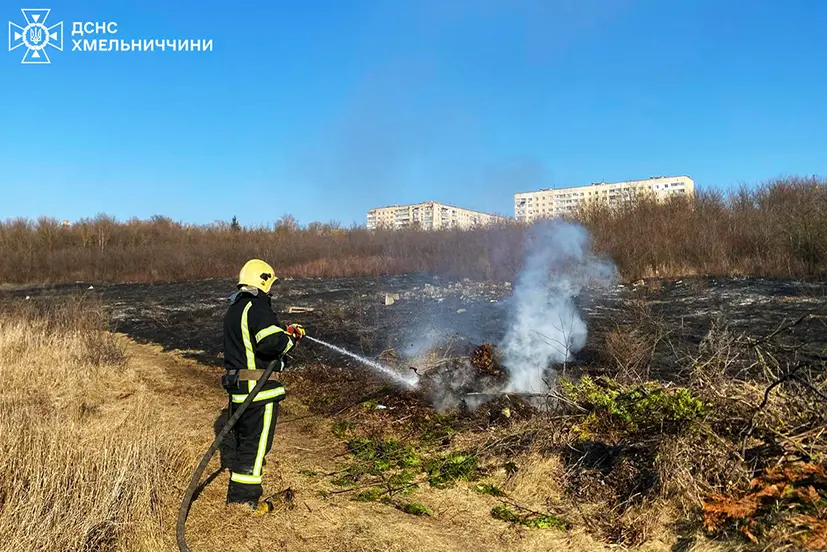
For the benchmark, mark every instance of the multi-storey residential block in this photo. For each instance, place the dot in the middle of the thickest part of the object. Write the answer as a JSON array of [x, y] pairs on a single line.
[[428, 216], [549, 203]]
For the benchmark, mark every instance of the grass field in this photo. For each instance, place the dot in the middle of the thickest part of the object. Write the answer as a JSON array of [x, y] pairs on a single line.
[[100, 436]]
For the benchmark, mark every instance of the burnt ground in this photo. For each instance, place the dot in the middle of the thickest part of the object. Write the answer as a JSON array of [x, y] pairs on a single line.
[[677, 315], [352, 312]]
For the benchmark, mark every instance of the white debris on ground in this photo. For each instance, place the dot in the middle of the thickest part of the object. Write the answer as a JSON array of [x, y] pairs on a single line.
[[466, 291]]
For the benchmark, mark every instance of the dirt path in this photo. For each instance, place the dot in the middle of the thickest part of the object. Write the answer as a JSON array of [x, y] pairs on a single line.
[[304, 444]]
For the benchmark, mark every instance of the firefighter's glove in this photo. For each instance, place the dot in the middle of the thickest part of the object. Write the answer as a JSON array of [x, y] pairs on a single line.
[[296, 331]]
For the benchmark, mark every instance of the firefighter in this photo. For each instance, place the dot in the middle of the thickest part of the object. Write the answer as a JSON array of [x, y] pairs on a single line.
[[253, 338]]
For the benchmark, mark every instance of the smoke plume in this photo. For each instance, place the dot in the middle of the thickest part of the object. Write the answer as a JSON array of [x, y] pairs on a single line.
[[544, 325]]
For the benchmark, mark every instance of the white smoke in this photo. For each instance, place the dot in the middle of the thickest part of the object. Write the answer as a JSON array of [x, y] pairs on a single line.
[[544, 325]]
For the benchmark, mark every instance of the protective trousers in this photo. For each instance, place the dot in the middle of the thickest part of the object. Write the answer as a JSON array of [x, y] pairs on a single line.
[[253, 439]]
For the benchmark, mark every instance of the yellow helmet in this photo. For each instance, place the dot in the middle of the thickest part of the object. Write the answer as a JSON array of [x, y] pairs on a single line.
[[258, 274]]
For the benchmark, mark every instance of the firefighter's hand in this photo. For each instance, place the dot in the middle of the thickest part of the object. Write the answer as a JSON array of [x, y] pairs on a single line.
[[296, 331]]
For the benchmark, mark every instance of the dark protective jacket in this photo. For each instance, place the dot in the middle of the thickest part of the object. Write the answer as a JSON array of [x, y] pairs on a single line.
[[253, 337]]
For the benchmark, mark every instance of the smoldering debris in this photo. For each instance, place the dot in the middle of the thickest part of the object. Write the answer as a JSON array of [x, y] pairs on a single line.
[[541, 327], [483, 359], [544, 327], [448, 372], [465, 376]]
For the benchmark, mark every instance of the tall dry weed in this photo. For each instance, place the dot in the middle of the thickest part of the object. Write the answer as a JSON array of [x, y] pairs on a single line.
[[72, 478]]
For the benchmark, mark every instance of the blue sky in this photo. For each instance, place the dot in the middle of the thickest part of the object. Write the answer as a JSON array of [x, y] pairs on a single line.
[[324, 109]]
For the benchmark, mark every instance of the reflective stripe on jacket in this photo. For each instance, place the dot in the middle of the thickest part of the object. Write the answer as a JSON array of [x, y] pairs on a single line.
[[253, 337]]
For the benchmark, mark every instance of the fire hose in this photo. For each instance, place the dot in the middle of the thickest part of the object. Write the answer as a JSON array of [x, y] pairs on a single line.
[[196, 476]]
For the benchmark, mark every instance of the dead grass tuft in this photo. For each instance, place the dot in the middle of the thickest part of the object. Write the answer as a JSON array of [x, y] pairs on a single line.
[[630, 351], [693, 464]]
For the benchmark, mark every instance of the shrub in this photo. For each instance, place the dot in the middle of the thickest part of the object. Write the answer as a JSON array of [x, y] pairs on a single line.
[[631, 409]]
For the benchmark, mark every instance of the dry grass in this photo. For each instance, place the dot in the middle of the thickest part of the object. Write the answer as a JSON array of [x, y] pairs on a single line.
[[81, 463], [630, 347], [776, 229]]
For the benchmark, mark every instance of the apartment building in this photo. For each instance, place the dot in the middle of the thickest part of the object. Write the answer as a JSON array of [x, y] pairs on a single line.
[[550, 203], [428, 216]]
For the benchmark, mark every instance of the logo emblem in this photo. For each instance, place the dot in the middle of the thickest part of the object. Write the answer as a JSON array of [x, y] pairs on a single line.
[[36, 36]]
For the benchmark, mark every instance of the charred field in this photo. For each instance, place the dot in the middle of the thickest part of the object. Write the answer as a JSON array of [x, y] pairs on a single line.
[[705, 398], [355, 313]]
